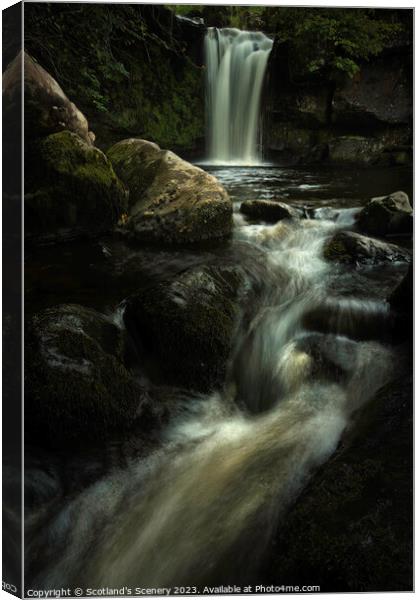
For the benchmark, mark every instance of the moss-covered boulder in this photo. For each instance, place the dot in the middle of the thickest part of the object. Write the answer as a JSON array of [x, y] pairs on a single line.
[[171, 200], [269, 210], [47, 108], [77, 387], [71, 190], [385, 215], [187, 325], [351, 529], [349, 247]]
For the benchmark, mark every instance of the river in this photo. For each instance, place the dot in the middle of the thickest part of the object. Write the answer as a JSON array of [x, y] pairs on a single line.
[[201, 507]]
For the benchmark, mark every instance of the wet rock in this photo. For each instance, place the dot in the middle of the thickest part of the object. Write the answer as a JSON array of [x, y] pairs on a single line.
[[171, 200], [354, 318], [355, 149], [292, 141], [71, 190], [333, 357], [353, 248], [77, 387], [47, 108], [269, 210], [187, 325], [351, 528], [385, 215]]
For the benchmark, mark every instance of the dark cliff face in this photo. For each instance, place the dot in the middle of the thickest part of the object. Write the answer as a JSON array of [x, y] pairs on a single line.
[[364, 119]]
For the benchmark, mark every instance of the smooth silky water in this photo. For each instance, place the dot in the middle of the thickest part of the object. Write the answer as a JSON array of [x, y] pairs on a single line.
[[203, 506], [236, 62]]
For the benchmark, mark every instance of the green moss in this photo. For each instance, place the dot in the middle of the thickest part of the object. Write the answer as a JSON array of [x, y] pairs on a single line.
[[167, 110], [71, 185], [336, 250], [188, 325], [77, 346]]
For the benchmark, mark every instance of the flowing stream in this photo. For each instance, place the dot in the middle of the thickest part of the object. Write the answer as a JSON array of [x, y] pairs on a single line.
[[201, 509], [236, 62]]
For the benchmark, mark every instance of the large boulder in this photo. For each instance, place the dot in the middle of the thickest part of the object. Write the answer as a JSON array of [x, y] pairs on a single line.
[[351, 528], [269, 210], [77, 387], [47, 108], [71, 190], [349, 247], [385, 215], [171, 200], [187, 325]]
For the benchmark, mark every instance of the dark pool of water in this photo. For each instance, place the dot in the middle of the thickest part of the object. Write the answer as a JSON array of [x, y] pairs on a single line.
[[316, 187]]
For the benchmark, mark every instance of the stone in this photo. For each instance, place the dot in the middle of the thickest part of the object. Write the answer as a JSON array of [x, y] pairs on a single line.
[[171, 200], [269, 210], [350, 247], [387, 215], [351, 528], [378, 94], [187, 325], [77, 387], [355, 149], [71, 190], [47, 108]]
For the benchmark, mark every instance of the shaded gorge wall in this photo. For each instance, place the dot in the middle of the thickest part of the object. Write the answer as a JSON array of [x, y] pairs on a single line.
[[365, 119]]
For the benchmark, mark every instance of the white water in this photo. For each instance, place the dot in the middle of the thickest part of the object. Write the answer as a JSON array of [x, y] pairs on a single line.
[[202, 509], [236, 63]]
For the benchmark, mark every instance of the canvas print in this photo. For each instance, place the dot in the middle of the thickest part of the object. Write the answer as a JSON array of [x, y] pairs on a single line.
[[210, 344]]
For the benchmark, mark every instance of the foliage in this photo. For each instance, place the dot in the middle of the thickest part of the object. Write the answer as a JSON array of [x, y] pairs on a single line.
[[323, 40], [122, 65], [334, 39]]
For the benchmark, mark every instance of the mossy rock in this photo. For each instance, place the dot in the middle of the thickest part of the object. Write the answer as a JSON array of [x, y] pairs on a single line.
[[133, 160], [171, 200], [269, 210], [351, 529], [77, 387], [349, 247], [187, 325], [353, 149], [72, 190], [387, 215]]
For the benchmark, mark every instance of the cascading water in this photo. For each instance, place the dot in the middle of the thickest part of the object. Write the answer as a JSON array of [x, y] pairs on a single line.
[[236, 63], [202, 509]]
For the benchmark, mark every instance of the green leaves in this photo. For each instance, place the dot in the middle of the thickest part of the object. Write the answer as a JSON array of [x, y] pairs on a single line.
[[335, 39]]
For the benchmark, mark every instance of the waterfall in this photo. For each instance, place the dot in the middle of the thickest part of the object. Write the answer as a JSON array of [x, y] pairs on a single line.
[[236, 63]]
